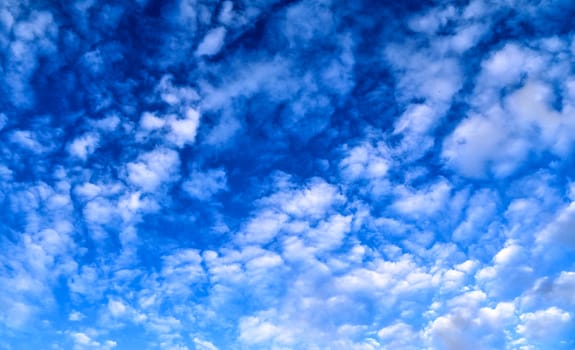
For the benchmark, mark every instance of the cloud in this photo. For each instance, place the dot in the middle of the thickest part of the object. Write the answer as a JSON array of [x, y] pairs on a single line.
[[255, 330], [510, 272], [424, 203], [204, 345], [547, 291], [312, 201], [467, 324], [83, 146], [153, 168], [212, 42], [482, 207], [399, 335], [16, 314], [509, 130], [83, 341], [75, 316], [264, 227], [365, 162], [35, 38], [116, 308], [558, 231], [151, 122], [183, 131], [204, 185], [544, 326]]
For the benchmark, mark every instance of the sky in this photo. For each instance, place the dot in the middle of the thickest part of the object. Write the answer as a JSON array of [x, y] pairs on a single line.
[[284, 174]]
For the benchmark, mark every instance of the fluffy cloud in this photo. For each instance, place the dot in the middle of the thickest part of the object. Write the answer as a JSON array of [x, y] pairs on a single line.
[[212, 42], [275, 174], [183, 131], [559, 231], [153, 169], [545, 327], [501, 138], [83, 146], [203, 185], [468, 324]]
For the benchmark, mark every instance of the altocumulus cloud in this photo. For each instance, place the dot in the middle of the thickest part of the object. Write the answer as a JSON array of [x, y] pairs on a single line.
[[272, 174]]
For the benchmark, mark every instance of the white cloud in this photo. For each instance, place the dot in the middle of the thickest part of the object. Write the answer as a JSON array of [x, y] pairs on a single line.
[[399, 336], [212, 42], [99, 211], [84, 146], [183, 131], [108, 124], [359, 259], [313, 201], [203, 185], [512, 118], [154, 168], [468, 325], [510, 273], [83, 339], [365, 162], [149, 121], [506, 64], [531, 107], [467, 38], [116, 308], [511, 254], [204, 344], [88, 282], [423, 203], [227, 127], [16, 314], [180, 270], [480, 211], [480, 141], [226, 13], [26, 139], [330, 233], [415, 126], [299, 211], [264, 262], [75, 316], [560, 230], [392, 278], [425, 73], [551, 292], [175, 95], [257, 330], [544, 326], [264, 227], [88, 190], [304, 23], [34, 37], [563, 287]]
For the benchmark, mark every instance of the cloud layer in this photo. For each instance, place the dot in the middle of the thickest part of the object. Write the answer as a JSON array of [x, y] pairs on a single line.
[[312, 174]]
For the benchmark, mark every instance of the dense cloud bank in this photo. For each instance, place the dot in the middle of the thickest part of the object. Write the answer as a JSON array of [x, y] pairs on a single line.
[[313, 174]]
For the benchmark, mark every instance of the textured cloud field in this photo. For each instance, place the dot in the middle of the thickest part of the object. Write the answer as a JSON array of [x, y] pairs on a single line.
[[313, 174]]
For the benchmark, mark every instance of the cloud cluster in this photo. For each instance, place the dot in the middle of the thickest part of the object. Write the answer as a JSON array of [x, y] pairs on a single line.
[[265, 174]]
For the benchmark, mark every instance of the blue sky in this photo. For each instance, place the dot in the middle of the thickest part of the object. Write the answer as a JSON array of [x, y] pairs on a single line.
[[313, 174]]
